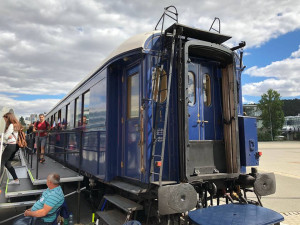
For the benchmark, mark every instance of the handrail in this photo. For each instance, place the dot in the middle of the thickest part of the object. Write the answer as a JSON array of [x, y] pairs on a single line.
[[1, 149], [64, 145], [211, 27], [166, 11]]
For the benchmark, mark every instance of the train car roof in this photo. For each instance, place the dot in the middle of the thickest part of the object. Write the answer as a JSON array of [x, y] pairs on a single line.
[[139, 41], [134, 43]]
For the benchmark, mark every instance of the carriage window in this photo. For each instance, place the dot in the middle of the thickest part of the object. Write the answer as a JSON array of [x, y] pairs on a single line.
[[86, 108], [70, 116], [206, 90], [67, 116], [97, 107], [77, 112], [59, 118], [133, 96], [54, 120], [163, 85], [191, 88], [63, 117]]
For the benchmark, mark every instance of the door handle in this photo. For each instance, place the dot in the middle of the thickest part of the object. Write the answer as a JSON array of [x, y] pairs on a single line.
[[202, 121]]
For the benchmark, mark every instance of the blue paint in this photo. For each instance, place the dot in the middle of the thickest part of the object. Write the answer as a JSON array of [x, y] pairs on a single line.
[[114, 149], [131, 116], [205, 119], [248, 141], [230, 214]]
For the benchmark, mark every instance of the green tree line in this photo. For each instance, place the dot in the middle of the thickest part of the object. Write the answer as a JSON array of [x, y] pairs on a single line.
[[291, 107]]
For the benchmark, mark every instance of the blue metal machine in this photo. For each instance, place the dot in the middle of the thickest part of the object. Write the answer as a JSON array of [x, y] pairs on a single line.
[[159, 126]]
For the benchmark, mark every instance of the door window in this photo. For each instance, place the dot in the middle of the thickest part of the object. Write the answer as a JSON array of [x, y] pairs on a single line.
[[133, 96], [191, 88], [206, 90]]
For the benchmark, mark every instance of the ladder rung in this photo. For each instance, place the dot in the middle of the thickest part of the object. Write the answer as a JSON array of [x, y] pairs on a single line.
[[165, 89], [155, 173], [156, 155]]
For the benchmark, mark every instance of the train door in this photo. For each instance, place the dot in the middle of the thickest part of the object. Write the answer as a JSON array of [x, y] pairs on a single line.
[[131, 123], [200, 107]]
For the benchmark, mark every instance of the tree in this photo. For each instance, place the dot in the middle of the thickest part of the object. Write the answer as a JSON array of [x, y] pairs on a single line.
[[291, 107], [272, 113], [22, 121]]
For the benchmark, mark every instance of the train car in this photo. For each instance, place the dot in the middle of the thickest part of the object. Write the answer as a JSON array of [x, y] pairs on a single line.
[[158, 128]]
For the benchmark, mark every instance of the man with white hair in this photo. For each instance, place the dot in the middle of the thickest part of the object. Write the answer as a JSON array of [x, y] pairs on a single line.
[[52, 198]]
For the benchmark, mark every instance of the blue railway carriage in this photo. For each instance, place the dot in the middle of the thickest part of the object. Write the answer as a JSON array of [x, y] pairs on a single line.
[[159, 125]]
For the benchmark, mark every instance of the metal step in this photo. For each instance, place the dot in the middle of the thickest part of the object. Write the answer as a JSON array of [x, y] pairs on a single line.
[[25, 188], [50, 166], [16, 204], [111, 217], [7, 205], [123, 203], [164, 183], [133, 189], [21, 172]]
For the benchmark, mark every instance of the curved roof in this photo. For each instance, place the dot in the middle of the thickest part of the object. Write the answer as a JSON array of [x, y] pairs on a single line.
[[138, 41], [135, 42]]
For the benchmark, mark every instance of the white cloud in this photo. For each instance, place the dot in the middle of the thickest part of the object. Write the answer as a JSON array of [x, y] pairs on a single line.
[[56, 43], [282, 76], [296, 54], [25, 108]]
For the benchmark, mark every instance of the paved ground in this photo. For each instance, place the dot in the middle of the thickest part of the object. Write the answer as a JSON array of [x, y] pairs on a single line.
[[283, 158]]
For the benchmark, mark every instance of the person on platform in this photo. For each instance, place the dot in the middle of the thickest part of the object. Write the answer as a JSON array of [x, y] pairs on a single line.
[[52, 198], [30, 129], [12, 128], [41, 127]]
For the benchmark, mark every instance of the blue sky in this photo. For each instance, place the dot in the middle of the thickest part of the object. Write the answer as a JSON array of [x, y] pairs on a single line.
[[47, 47], [276, 49]]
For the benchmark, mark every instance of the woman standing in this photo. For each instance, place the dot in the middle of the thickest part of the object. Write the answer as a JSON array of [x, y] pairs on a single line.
[[12, 128]]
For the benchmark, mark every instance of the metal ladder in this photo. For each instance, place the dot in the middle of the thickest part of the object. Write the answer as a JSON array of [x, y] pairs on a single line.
[[156, 106]]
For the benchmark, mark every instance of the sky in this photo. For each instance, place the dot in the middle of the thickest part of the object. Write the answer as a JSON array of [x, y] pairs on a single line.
[[48, 46]]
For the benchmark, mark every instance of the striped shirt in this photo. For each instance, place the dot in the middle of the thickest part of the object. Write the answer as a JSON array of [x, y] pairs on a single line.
[[51, 197]]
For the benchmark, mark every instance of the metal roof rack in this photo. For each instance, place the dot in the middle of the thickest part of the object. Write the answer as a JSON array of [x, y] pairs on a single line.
[[198, 34]]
